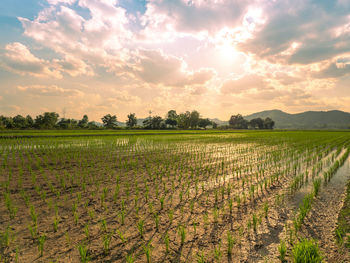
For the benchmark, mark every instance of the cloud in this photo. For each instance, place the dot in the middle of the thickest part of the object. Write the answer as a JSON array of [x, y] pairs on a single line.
[[95, 38], [303, 33], [286, 79], [237, 86], [17, 58], [153, 66], [51, 91], [56, 2], [192, 17], [73, 66], [338, 68]]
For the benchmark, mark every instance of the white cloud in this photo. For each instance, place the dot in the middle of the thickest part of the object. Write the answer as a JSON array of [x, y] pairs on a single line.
[[155, 67], [237, 86], [17, 58], [42, 90]]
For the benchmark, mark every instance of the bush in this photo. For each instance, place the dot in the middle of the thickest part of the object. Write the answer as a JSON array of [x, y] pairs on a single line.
[[306, 251]]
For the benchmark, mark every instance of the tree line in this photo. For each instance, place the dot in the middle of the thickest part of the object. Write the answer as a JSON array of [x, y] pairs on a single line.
[[172, 120]]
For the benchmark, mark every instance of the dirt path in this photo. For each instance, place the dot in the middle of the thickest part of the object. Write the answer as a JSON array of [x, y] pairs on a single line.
[[320, 224]]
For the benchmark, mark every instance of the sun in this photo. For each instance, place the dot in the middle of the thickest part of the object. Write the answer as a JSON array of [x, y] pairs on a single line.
[[227, 52]]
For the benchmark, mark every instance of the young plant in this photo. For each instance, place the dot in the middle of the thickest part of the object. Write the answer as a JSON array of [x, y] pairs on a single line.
[[230, 243], [130, 258], [148, 252], [106, 243], [121, 236], [166, 242], [282, 249], [217, 253], [182, 233], [86, 231], [55, 224], [41, 242], [83, 252], [140, 227], [266, 209], [306, 251]]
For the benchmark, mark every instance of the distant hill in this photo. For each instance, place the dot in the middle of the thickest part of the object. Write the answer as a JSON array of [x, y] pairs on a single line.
[[306, 120], [219, 122]]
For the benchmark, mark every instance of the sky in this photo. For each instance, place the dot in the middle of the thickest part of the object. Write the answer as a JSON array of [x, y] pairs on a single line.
[[219, 57]]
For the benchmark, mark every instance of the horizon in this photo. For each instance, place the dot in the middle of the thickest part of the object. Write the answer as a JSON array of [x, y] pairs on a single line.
[[201, 116], [97, 57]]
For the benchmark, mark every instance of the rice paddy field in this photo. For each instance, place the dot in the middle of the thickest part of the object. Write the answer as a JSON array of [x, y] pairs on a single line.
[[175, 197]]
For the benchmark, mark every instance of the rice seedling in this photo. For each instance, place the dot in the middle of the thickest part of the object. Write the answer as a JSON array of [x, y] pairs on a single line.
[[83, 252], [106, 243], [130, 258], [148, 252], [230, 243], [41, 241], [55, 224], [306, 251], [140, 227], [166, 242], [182, 233], [282, 249]]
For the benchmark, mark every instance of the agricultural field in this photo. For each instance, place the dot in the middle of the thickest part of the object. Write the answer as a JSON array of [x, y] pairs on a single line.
[[198, 197]]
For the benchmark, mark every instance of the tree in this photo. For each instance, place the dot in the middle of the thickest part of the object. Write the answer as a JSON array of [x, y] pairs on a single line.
[[83, 123], [194, 119], [67, 123], [215, 125], [183, 120], [257, 123], [6, 122], [171, 118], [46, 121], [203, 123], [238, 122], [269, 123], [19, 122], [153, 122], [156, 122], [92, 125], [131, 121], [29, 121], [109, 121]]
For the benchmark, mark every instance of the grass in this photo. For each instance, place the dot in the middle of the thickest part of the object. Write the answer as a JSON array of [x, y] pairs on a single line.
[[342, 232], [282, 249], [306, 251]]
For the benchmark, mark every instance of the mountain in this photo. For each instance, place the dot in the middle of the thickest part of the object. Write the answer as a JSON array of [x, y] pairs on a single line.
[[219, 122], [306, 120]]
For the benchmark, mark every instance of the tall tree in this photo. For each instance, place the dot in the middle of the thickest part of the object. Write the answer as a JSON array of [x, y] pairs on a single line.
[[171, 118], [194, 119], [131, 121], [238, 122], [183, 120], [83, 123], [109, 121], [29, 121], [19, 122], [269, 123], [46, 121], [257, 123], [203, 123], [154, 122]]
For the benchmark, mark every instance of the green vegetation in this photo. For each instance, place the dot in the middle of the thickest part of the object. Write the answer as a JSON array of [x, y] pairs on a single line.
[[103, 198], [342, 232], [306, 251]]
